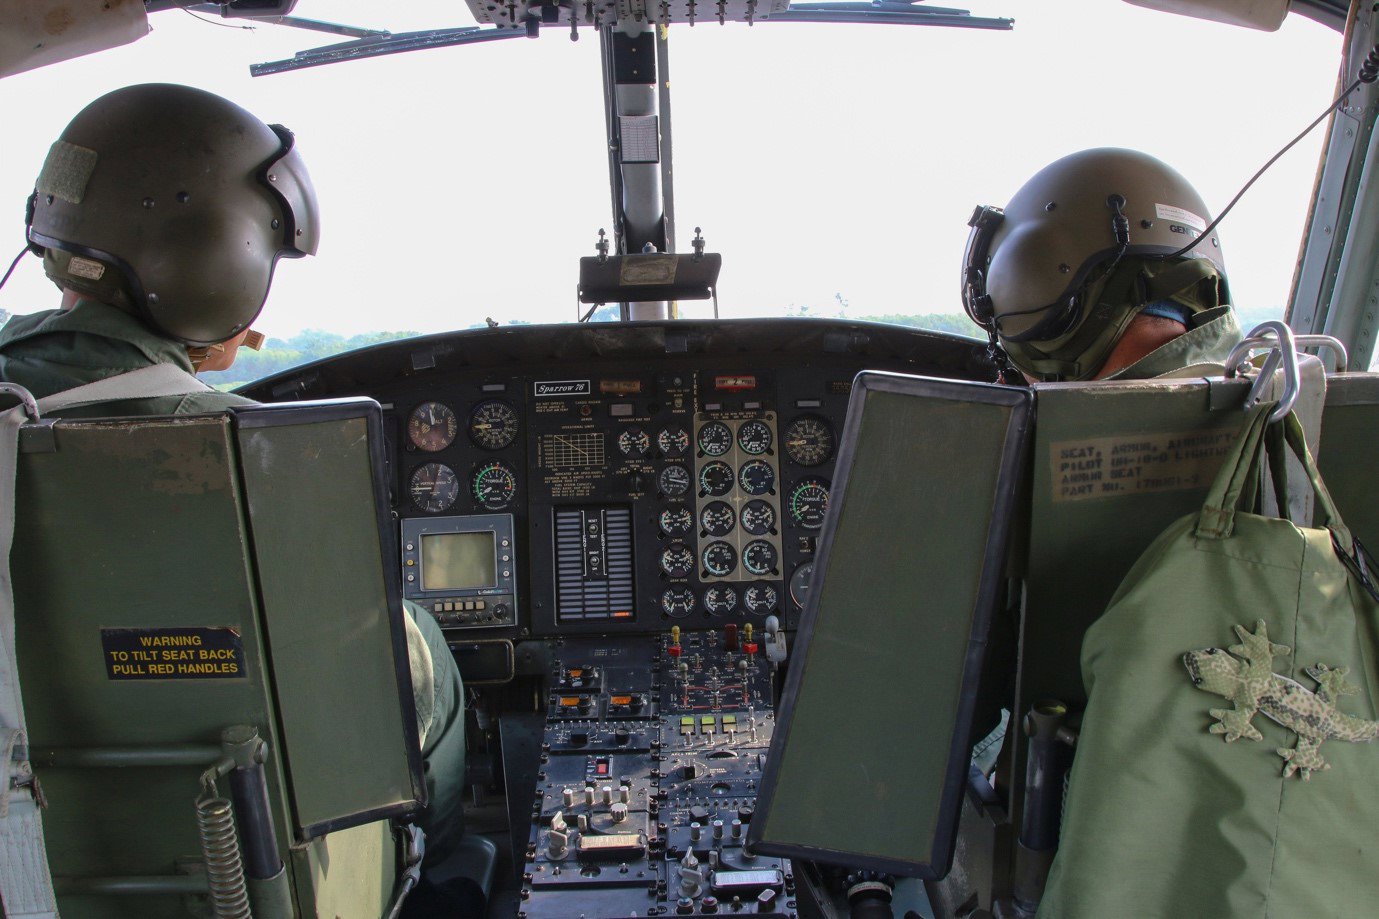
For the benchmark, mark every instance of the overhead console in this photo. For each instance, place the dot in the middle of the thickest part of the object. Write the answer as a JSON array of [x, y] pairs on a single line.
[[567, 480]]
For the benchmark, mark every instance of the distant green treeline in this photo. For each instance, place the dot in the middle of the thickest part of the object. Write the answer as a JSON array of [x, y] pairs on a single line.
[[281, 354]]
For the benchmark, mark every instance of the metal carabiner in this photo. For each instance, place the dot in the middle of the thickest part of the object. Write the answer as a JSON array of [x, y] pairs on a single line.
[[1285, 350], [25, 398], [1235, 362]]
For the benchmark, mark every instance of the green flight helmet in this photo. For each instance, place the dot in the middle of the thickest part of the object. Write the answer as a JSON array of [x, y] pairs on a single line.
[[1089, 241], [174, 204]]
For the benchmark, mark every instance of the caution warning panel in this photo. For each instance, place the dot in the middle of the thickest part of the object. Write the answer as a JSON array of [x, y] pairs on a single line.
[[181, 653]]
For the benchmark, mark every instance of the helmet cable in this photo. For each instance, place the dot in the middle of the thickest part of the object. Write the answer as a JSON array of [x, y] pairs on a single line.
[[13, 265], [1369, 73]]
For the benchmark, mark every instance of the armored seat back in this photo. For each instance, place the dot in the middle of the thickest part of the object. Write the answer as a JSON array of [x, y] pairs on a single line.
[[179, 578]]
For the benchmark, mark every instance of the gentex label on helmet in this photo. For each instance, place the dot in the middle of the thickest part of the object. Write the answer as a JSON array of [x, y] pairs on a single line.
[[85, 268], [1179, 215], [177, 653]]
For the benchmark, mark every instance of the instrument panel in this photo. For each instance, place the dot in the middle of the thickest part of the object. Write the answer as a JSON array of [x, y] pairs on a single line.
[[653, 474]]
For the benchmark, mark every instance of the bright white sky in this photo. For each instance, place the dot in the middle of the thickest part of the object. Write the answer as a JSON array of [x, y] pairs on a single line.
[[466, 182]]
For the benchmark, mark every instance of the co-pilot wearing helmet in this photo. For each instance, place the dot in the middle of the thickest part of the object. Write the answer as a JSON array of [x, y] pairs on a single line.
[[161, 213], [1087, 274]]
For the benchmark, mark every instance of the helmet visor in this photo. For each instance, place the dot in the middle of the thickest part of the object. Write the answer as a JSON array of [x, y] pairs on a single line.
[[285, 175]]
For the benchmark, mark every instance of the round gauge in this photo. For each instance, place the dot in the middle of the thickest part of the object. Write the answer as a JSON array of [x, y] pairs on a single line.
[[755, 438], [673, 481], [720, 600], [757, 477], [677, 602], [808, 440], [717, 518], [432, 427], [760, 599], [758, 518], [434, 487], [677, 560], [808, 503], [493, 424], [673, 441], [715, 439], [633, 442], [676, 521], [799, 584], [494, 484], [715, 479], [760, 558], [719, 559]]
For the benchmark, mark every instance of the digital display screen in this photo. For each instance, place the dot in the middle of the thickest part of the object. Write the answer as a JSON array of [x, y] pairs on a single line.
[[458, 561]]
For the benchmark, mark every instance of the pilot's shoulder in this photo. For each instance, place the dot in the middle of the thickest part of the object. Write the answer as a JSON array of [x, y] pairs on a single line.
[[202, 403]]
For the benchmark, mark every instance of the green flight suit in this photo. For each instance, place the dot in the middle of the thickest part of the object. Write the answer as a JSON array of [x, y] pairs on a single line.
[[58, 350], [1201, 351]]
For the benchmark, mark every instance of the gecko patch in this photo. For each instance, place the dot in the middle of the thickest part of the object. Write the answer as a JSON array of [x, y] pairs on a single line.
[[1244, 674]]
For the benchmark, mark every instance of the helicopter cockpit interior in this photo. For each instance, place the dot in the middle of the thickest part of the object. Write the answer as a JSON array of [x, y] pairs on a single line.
[[765, 616]]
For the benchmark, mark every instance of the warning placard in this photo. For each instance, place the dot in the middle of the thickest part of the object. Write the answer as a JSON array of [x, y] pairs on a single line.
[[178, 653], [1105, 467]]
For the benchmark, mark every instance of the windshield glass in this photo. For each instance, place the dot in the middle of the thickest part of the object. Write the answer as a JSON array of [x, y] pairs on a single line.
[[833, 166]]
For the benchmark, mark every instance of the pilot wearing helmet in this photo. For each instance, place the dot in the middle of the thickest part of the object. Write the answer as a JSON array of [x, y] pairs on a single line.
[[1101, 267], [161, 213]]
